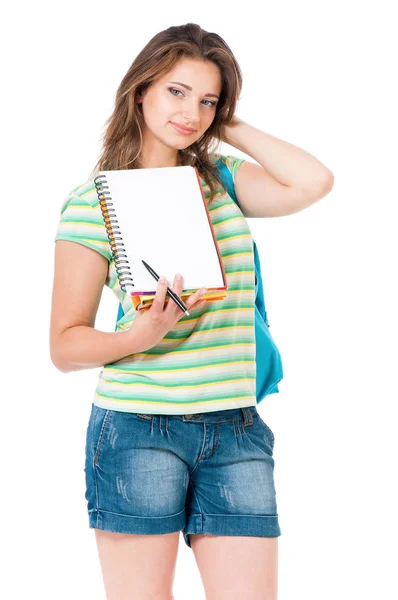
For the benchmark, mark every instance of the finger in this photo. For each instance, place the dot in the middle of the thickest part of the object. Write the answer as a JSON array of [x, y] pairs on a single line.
[[177, 288], [195, 297], [158, 301], [198, 304]]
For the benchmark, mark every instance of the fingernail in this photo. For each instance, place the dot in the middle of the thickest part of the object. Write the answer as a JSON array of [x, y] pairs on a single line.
[[162, 279], [202, 291], [178, 276]]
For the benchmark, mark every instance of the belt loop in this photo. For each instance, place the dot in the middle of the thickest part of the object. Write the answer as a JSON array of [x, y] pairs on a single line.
[[247, 416]]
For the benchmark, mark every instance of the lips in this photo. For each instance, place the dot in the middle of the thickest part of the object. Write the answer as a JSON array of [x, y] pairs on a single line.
[[182, 129]]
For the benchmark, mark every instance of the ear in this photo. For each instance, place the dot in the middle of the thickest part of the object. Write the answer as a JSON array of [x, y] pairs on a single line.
[[140, 96]]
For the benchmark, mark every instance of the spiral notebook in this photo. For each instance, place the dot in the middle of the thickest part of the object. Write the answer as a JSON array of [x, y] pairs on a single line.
[[160, 215]]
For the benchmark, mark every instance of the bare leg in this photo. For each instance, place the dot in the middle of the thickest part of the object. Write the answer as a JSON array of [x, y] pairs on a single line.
[[235, 567], [137, 566]]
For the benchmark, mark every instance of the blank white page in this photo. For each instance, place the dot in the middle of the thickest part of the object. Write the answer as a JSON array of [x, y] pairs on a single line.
[[163, 220]]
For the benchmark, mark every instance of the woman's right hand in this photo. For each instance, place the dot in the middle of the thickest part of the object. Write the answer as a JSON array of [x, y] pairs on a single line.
[[152, 324]]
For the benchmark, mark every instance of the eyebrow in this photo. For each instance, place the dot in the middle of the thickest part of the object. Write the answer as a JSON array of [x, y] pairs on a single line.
[[190, 89]]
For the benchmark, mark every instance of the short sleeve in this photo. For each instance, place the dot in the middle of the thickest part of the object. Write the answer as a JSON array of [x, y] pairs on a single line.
[[233, 163], [82, 223]]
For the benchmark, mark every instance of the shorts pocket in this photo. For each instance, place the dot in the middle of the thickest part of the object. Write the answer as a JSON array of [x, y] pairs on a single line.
[[263, 424], [268, 429], [100, 418]]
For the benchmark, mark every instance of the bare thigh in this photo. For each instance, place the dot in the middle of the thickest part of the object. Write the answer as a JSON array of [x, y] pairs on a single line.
[[235, 567], [137, 566]]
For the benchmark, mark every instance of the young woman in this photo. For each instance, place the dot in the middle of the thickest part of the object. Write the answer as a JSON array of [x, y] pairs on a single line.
[[174, 440]]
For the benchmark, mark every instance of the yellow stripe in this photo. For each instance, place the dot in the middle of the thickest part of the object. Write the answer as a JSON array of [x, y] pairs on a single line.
[[226, 221], [214, 312], [181, 339], [234, 237], [83, 206], [229, 346], [94, 241], [178, 385], [90, 191], [240, 273], [228, 256], [153, 403], [214, 329], [214, 210], [85, 224], [178, 370]]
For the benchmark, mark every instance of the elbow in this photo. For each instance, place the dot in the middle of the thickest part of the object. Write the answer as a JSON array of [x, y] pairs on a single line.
[[56, 353], [318, 191], [60, 366], [331, 181], [63, 369], [57, 361], [328, 184]]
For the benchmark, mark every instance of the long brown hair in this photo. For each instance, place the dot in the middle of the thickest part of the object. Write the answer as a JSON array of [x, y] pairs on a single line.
[[122, 140]]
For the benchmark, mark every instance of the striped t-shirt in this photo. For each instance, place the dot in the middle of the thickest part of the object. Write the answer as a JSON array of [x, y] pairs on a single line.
[[207, 362]]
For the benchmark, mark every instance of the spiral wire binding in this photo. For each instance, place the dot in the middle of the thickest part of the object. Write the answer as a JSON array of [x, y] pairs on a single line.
[[117, 248]]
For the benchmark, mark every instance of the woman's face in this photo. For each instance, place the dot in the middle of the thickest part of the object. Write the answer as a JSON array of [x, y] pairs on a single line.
[[166, 102]]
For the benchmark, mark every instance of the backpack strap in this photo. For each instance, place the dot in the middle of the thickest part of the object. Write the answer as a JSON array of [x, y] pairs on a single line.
[[226, 177]]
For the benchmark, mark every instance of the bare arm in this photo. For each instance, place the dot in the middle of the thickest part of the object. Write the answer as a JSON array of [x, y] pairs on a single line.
[[82, 347], [79, 277]]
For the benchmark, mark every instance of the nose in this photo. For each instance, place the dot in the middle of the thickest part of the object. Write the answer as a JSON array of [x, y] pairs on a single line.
[[191, 114]]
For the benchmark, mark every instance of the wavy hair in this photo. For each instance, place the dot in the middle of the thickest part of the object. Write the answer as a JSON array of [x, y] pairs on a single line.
[[122, 139]]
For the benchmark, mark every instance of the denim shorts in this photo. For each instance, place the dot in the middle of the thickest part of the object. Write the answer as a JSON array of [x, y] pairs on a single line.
[[209, 473]]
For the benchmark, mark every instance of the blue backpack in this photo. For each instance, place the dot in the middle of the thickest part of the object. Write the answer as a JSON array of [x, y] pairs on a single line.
[[269, 369]]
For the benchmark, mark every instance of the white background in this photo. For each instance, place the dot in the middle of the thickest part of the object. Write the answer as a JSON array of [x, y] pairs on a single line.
[[320, 75]]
